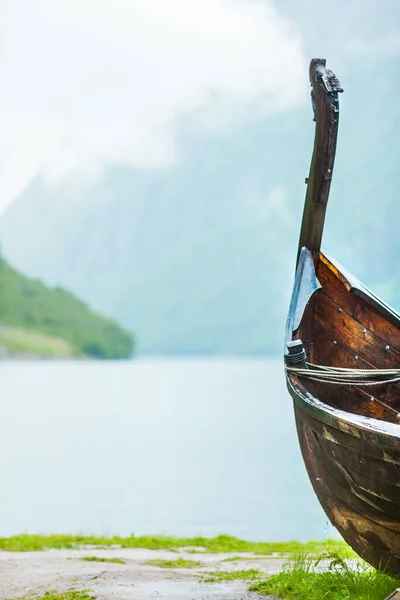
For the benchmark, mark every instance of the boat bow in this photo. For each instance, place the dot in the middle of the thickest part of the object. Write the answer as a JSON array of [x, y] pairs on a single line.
[[325, 102], [349, 433]]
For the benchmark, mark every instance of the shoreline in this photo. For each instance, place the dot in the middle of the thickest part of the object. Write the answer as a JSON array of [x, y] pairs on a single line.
[[167, 568], [35, 573]]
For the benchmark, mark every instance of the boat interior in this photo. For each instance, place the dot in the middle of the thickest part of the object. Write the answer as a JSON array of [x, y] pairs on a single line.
[[343, 325]]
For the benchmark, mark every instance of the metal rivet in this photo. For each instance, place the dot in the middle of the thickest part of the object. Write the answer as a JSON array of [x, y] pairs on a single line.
[[340, 310], [364, 331], [398, 415], [335, 342], [356, 357], [387, 348], [372, 399]]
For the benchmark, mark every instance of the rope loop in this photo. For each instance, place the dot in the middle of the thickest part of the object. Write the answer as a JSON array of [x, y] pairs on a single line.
[[342, 376]]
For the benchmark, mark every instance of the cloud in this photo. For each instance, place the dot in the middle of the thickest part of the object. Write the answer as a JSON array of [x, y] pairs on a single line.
[[385, 46], [107, 80]]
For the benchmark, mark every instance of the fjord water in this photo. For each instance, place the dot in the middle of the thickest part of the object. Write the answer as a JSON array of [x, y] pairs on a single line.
[[182, 447]]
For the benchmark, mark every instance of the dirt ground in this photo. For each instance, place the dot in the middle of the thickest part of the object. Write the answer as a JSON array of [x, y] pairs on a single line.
[[23, 573]]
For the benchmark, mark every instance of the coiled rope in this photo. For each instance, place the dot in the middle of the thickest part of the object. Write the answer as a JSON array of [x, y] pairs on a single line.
[[340, 376]]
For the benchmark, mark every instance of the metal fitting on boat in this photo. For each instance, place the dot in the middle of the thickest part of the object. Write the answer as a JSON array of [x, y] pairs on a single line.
[[296, 353]]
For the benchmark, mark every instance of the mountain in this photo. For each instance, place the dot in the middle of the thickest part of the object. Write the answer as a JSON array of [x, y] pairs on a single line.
[[199, 257], [192, 259], [42, 321]]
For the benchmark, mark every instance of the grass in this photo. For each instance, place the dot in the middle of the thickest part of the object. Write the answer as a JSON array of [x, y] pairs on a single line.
[[27, 304], [218, 576], [19, 340], [179, 563], [339, 581], [117, 561], [221, 543], [236, 558], [71, 595]]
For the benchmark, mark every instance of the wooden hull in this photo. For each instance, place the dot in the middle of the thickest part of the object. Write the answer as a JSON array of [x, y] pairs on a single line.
[[350, 440], [357, 487]]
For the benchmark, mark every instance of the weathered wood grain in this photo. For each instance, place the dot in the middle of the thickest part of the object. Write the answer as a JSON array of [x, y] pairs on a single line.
[[331, 318], [371, 532], [381, 402], [349, 435], [325, 102], [363, 313]]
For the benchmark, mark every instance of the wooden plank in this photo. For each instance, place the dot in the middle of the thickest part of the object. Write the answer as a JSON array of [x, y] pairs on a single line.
[[360, 445], [362, 312], [359, 289], [352, 400], [375, 509], [366, 470], [327, 352], [330, 317], [365, 401], [371, 536]]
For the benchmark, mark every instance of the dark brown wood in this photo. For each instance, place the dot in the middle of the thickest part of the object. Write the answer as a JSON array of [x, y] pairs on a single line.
[[336, 321], [325, 102], [383, 405], [353, 463], [364, 523], [364, 313], [349, 434]]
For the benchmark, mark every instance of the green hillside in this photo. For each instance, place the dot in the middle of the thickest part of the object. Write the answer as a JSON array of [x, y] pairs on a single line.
[[40, 320]]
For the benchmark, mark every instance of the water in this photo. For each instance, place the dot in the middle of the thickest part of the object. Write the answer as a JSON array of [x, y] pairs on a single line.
[[184, 447]]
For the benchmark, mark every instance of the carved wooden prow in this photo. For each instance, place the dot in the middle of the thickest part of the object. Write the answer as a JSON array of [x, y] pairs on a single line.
[[325, 102]]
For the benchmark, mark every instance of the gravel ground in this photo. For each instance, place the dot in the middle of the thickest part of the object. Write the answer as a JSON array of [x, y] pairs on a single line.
[[23, 573]]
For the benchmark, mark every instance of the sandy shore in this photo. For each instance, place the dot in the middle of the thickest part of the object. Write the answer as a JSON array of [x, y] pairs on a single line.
[[34, 573]]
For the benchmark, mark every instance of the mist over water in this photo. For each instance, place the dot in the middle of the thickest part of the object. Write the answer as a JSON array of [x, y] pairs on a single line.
[[182, 447]]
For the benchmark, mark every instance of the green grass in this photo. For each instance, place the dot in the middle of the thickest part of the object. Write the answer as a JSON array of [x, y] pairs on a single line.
[[178, 563], [117, 561], [236, 558], [300, 581], [71, 595], [18, 340], [221, 543], [218, 576]]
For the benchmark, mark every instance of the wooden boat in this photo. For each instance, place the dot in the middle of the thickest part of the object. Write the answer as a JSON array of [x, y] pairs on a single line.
[[342, 363]]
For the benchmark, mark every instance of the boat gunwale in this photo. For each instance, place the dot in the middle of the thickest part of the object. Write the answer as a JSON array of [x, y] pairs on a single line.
[[384, 433]]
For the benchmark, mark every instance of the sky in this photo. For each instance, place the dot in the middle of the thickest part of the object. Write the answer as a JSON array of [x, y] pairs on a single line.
[[175, 128], [91, 82]]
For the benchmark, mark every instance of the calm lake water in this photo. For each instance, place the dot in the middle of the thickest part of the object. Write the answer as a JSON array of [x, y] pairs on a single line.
[[183, 447]]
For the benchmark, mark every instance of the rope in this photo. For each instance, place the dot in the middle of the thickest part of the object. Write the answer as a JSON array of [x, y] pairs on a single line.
[[341, 376]]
